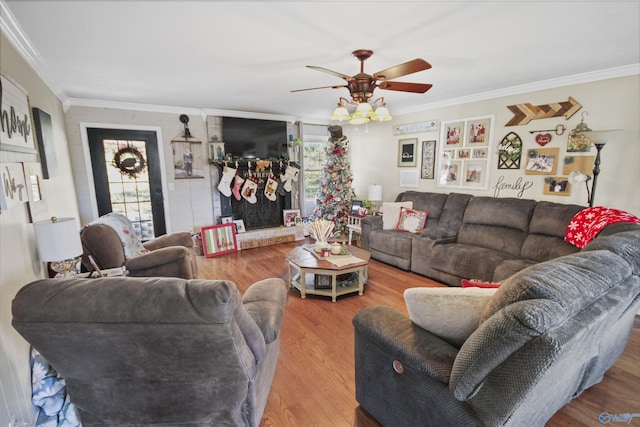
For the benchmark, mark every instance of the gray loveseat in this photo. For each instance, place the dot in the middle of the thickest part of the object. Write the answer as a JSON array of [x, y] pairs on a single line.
[[549, 332], [469, 237], [157, 351]]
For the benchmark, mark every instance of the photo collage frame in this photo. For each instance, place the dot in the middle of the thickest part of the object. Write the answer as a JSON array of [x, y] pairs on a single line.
[[464, 153]]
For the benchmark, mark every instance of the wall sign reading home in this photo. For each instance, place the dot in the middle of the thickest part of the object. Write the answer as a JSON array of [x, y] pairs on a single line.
[[15, 120]]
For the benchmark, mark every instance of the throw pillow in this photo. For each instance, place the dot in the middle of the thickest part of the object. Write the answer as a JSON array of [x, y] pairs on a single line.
[[474, 283], [450, 313], [391, 213], [412, 220]]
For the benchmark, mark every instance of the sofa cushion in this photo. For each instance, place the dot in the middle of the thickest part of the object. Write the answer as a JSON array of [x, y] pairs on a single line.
[[468, 261], [508, 268], [436, 232], [563, 282], [411, 220], [391, 213], [450, 313], [425, 201], [498, 224], [624, 244], [392, 242]]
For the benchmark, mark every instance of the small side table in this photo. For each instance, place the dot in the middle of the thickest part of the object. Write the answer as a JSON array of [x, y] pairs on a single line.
[[354, 227]]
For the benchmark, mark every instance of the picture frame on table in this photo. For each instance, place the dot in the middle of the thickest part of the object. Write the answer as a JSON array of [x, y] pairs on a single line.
[[407, 152], [239, 223], [322, 281], [218, 240], [289, 217], [226, 219], [216, 151]]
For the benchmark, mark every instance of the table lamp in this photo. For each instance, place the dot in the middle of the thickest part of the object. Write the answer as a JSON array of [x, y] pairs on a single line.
[[59, 243], [375, 195]]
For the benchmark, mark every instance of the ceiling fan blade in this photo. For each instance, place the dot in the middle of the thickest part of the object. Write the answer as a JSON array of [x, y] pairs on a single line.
[[321, 87], [402, 69], [326, 70], [405, 86]]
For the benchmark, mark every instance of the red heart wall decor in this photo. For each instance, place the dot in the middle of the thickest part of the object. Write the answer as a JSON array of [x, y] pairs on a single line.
[[543, 140]]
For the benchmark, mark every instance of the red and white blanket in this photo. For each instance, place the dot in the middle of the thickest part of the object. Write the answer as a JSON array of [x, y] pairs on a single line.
[[587, 223]]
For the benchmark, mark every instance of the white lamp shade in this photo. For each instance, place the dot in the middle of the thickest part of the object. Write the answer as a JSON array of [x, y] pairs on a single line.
[[375, 192], [577, 176], [601, 136], [58, 241]]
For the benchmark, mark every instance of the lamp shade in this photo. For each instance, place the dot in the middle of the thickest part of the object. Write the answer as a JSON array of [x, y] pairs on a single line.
[[577, 176], [58, 240], [375, 192], [601, 136]]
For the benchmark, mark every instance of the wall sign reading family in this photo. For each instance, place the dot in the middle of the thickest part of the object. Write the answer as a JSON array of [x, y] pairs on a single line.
[[464, 152]]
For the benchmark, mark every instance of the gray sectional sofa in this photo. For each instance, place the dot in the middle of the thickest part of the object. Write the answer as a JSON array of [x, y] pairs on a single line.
[[547, 334], [469, 237]]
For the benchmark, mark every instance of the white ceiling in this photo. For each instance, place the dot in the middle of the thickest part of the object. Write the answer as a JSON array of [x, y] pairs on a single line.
[[248, 56]]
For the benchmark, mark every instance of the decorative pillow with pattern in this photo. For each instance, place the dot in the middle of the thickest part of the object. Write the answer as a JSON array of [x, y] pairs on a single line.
[[412, 220], [391, 213]]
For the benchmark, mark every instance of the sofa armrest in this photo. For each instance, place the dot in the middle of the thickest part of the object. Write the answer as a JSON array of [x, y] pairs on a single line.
[[158, 259], [396, 335], [181, 238], [367, 225], [265, 301]]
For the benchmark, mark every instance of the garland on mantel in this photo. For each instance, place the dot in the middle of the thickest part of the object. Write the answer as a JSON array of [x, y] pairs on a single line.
[[257, 165]]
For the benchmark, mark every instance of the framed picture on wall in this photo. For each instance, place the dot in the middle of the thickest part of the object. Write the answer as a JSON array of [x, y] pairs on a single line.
[[464, 153], [187, 160], [541, 161], [428, 159], [218, 239], [407, 152], [15, 108]]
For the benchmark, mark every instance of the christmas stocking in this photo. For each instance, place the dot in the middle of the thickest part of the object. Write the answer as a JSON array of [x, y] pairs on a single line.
[[249, 190], [290, 174], [225, 182], [271, 187], [237, 184], [280, 190]]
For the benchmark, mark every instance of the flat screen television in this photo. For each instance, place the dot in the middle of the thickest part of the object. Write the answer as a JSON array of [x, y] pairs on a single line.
[[254, 138]]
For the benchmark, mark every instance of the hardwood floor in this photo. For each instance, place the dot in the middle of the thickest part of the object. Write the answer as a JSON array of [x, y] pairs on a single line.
[[314, 380]]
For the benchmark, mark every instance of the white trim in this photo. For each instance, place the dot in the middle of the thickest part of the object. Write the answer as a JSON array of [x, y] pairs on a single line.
[[610, 73], [89, 171]]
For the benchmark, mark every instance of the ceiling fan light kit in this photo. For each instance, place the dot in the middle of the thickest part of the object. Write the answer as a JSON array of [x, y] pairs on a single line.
[[362, 85]]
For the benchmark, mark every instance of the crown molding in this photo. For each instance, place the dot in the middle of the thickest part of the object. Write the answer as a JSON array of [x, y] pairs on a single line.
[[589, 77], [18, 39]]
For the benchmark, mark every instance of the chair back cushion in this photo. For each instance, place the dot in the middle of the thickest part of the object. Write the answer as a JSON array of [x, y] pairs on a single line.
[[146, 350], [122, 226]]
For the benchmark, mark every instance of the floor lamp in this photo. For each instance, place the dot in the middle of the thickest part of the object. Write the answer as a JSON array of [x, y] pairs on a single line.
[[598, 138]]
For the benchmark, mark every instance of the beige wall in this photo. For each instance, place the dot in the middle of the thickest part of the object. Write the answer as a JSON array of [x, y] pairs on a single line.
[[611, 104], [19, 261], [188, 202]]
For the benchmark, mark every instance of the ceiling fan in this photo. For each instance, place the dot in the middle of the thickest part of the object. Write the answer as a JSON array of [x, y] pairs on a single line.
[[362, 85]]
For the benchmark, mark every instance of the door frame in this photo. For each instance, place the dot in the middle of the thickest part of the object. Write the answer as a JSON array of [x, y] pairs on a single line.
[[89, 170]]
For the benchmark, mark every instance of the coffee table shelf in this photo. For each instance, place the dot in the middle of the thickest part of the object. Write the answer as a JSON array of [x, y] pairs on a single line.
[[303, 266]]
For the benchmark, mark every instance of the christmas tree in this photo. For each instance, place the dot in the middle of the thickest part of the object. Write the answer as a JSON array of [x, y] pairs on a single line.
[[334, 200]]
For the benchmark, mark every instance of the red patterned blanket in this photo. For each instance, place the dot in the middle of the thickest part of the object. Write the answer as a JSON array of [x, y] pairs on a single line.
[[587, 223]]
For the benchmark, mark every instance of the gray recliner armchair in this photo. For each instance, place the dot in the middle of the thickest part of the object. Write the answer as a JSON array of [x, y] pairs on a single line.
[[111, 242], [157, 351]]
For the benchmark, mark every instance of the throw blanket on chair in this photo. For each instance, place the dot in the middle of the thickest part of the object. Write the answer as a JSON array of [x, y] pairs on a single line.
[[122, 226], [587, 223], [49, 395]]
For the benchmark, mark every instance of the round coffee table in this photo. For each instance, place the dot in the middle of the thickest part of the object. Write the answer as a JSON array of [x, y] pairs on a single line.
[[313, 275]]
